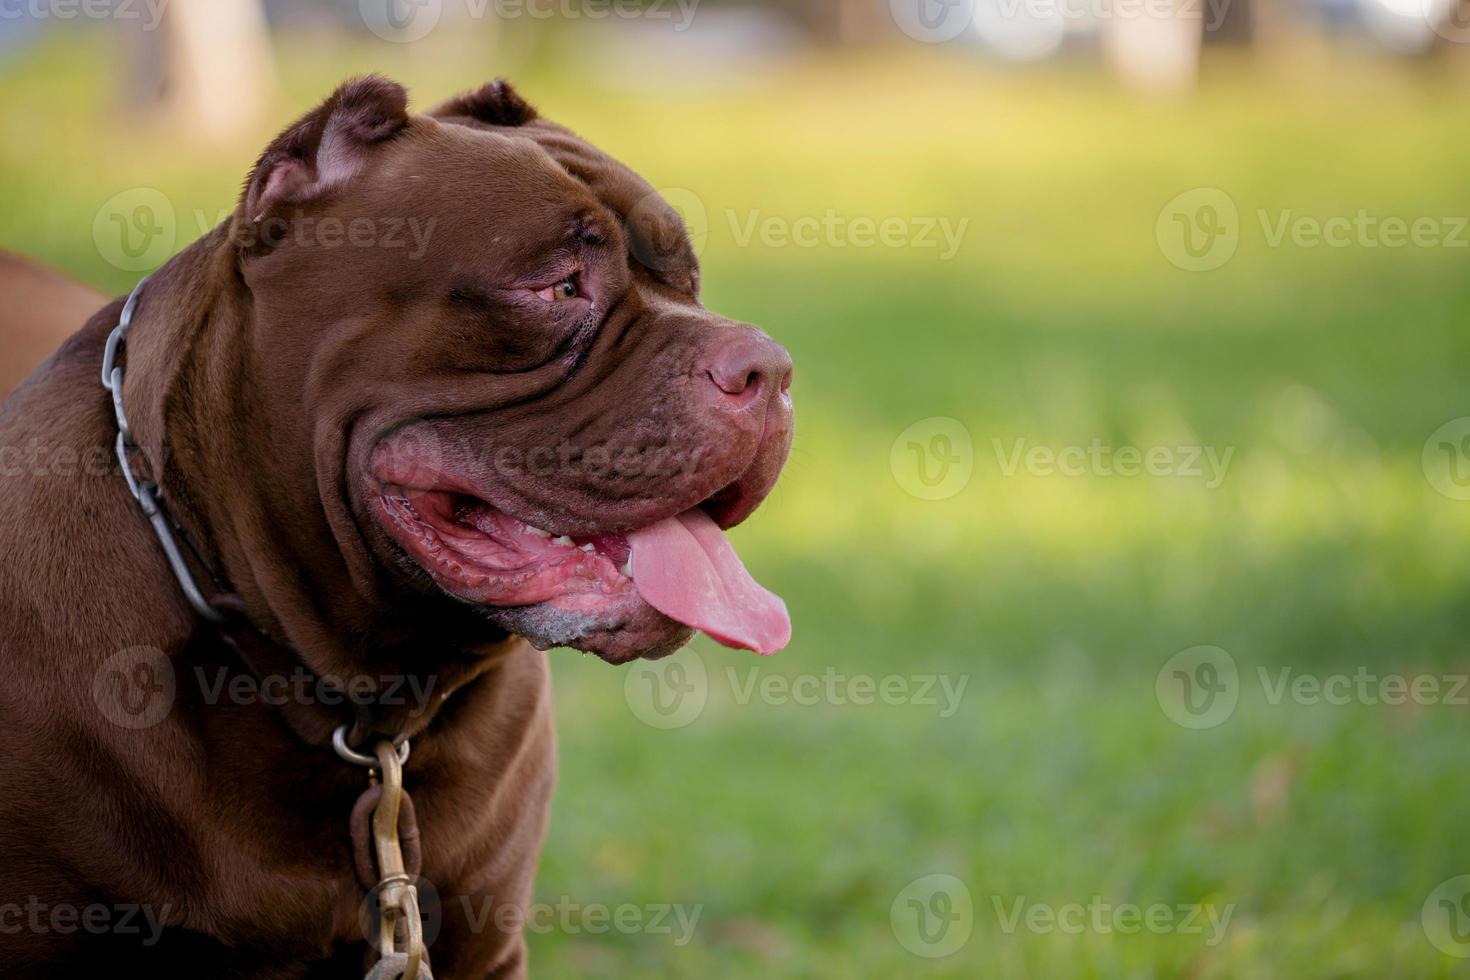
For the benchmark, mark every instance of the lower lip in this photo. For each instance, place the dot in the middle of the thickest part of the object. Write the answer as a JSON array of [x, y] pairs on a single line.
[[482, 554]]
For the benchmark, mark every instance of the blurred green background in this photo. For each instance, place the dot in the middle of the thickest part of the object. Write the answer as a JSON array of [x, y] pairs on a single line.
[[1332, 544]]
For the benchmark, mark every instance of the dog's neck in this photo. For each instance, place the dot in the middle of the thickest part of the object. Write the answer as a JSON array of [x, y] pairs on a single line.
[[315, 598]]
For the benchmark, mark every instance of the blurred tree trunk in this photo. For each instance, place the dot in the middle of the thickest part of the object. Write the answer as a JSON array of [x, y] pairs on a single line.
[[212, 69], [1158, 55], [862, 22], [843, 22], [1229, 22], [1287, 39], [1452, 40]]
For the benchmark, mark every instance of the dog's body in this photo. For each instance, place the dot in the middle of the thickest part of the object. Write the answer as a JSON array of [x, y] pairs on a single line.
[[39, 308], [307, 414], [215, 823]]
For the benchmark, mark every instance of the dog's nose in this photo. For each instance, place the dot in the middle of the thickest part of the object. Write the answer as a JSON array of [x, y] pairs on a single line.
[[748, 368]]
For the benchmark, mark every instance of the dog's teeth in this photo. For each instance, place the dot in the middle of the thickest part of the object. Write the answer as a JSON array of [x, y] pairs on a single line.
[[538, 532], [627, 568], [562, 540], [588, 548]]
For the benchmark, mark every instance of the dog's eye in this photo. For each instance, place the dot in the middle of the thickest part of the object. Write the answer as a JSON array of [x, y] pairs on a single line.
[[564, 290]]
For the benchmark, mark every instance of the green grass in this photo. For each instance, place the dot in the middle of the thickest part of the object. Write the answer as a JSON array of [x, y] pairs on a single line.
[[794, 827]]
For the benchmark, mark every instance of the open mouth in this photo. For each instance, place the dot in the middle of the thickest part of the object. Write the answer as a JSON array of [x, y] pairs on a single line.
[[681, 566]]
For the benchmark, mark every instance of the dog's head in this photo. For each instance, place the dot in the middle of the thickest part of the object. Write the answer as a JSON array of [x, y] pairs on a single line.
[[490, 335]]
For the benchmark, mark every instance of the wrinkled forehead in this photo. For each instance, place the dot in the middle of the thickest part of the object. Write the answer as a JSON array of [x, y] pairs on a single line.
[[657, 238]]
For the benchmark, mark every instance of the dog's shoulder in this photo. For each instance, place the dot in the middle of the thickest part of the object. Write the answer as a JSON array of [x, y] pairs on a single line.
[[74, 538]]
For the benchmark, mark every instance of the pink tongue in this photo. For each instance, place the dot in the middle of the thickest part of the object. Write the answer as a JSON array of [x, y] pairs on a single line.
[[684, 568]]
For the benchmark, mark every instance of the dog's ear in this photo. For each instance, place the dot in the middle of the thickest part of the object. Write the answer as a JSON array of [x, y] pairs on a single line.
[[327, 147], [496, 104]]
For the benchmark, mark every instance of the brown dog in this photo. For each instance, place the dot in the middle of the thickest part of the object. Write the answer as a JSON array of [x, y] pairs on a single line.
[[441, 383], [39, 308]]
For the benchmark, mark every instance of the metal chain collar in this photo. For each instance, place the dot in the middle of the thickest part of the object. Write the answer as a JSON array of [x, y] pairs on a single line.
[[398, 906], [145, 492], [397, 897]]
